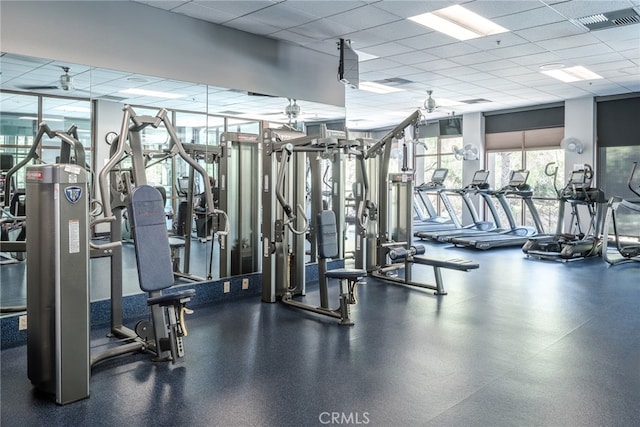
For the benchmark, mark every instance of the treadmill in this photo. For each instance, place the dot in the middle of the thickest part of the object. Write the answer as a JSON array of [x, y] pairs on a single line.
[[434, 221], [478, 185], [515, 235]]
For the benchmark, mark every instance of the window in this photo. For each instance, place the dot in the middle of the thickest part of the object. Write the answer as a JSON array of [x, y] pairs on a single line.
[[434, 153], [532, 150]]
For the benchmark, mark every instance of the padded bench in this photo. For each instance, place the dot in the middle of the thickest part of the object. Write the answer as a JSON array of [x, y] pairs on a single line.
[[438, 263]]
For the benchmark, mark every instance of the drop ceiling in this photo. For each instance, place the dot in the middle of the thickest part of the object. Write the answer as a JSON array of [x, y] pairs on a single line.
[[502, 69]]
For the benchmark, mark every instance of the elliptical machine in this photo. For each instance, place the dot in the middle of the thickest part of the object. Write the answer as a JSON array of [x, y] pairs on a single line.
[[628, 247], [577, 243]]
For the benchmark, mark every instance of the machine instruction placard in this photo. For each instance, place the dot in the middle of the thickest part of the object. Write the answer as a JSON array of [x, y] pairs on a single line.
[[74, 236]]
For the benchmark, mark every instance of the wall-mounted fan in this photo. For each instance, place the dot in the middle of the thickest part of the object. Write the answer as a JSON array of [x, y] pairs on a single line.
[[65, 82], [572, 144], [468, 152]]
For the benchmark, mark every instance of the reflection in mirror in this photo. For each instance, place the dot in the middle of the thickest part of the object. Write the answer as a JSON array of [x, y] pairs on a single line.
[[65, 94]]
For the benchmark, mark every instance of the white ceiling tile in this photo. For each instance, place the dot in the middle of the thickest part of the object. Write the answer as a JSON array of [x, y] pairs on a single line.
[[550, 31], [414, 57], [280, 13], [440, 64], [201, 11], [629, 33], [321, 30], [387, 50], [529, 19], [568, 42], [538, 59], [491, 8], [406, 9], [237, 8], [163, 4], [428, 40], [252, 26], [584, 51], [578, 9], [363, 17], [453, 50], [324, 9], [517, 51]]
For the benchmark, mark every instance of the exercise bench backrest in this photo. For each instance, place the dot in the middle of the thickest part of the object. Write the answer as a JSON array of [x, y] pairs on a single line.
[[327, 235], [151, 240]]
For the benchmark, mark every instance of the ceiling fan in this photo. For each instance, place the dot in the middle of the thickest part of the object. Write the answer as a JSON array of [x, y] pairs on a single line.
[[430, 103], [65, 82]]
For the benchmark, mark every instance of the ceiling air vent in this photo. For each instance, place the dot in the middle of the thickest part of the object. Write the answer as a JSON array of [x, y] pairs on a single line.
[[394, 81], [475, 101], [617, 18]]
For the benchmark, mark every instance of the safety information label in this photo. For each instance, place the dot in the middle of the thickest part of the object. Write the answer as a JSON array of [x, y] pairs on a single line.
[[74, 236]]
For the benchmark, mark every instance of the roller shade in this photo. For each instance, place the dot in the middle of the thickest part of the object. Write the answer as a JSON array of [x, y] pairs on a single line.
[[542, 118], [534, 138], [618, 122]]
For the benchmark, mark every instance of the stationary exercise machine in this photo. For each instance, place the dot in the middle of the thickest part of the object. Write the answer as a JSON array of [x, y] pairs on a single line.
[[477, 186], [287, 229], [388, 218], [14, 200], [422, 203], [12, 216], [576, 243], [622, 214], [118, 188], [515, 235]]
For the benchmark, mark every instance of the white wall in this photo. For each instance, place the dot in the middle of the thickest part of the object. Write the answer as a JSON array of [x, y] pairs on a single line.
[[580, 122], [472, 133], [137, 38]]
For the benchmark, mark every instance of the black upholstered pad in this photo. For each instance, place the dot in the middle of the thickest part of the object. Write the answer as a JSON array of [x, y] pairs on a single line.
[[327, 234], [345, 273], [151, 240], [453, 263], [169, 299]]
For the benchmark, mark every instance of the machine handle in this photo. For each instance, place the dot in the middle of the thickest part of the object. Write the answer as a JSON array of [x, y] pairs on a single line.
[[288, 210]]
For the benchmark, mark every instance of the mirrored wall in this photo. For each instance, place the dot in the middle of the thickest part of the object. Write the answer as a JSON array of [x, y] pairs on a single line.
[[207, 120]]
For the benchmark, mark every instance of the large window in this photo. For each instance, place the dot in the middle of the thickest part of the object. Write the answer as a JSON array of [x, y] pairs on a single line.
[[434, 153], [532, 150]]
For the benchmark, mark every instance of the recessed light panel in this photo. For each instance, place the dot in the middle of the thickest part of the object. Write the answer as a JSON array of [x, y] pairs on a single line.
[[458, 22]]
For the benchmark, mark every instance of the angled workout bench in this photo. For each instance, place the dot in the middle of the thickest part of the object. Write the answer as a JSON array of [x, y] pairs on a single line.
[[438, 263], [155, 273], [414, 256]]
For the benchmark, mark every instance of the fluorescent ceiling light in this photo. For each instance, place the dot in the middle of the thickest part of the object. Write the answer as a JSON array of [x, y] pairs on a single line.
[[44, 119], [70, 108], [572, 74], [155, 93], [364, 56], [458, 22], [377, 87]]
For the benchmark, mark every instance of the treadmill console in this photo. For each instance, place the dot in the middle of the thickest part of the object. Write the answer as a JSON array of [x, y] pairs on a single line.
[[480, 179], [439, 176], [518, 178], [437, 180]]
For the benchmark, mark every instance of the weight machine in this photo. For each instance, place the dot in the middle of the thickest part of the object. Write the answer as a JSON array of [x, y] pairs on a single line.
[[628, 249], [576, 243], [118, 185], [387, 210], [286, 227]]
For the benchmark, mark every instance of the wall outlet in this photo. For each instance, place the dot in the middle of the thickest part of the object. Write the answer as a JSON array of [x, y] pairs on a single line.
[[22, 322], [227, 287], [245, 284]]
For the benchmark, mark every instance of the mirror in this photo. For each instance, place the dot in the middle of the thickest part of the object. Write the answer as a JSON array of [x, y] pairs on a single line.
[[206, 118]]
